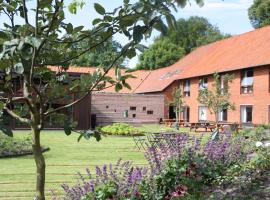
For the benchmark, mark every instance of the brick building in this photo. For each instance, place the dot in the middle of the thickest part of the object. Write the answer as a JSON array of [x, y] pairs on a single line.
[[247, 56]]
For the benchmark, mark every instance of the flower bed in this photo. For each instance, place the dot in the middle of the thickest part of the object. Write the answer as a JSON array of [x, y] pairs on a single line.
[[188, 170], [13, 147]]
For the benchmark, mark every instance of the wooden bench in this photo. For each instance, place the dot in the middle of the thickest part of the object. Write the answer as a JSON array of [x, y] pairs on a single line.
[[206, 125]]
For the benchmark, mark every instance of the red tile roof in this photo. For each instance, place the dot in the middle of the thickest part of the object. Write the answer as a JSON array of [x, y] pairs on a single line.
[[250, 49]]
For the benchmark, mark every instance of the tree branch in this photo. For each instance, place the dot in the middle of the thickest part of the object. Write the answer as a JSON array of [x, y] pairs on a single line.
[[81, 53], [50, 27], [35, 49], [90, 90], [25, 12], [14, 115]]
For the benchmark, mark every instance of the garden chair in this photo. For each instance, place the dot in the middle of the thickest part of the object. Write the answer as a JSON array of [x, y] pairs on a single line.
[[155, 139], [140, 142]]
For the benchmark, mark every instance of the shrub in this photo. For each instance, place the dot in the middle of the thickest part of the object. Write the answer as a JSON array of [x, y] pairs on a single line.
[[12, 146], [120, 129]]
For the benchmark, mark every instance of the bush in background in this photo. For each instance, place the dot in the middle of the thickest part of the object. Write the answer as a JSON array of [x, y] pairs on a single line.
[[10, 146], [120, 129]]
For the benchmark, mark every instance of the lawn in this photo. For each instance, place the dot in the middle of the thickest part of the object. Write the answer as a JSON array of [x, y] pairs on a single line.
[[66, 157]]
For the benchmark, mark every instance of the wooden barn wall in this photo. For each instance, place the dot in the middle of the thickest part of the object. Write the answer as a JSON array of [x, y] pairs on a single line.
[[110, 108], [82, 113]]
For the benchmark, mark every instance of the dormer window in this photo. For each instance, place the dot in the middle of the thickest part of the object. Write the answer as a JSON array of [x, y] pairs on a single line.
[[203, 83], [187, 88], [247, 82]]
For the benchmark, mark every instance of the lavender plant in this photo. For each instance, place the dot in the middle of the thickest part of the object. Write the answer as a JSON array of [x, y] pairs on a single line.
[[181, 166], [109, 182]]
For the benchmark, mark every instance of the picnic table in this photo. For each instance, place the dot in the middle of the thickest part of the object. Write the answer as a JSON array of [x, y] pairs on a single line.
[[211, 125], [206, 125], [170, 122]]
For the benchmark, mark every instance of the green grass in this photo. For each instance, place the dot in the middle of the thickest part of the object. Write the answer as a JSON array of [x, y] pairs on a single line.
[[66, 157]]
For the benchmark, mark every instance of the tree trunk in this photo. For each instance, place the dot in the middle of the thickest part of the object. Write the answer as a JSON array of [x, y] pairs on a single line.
[[216, 117], [40, 165]]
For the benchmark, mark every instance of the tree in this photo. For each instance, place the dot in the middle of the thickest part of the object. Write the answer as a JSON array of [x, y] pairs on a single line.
[[176, 43], [177, 102], [161, 53], [217, 98], [259, 13], [102, 56], [29, 46]]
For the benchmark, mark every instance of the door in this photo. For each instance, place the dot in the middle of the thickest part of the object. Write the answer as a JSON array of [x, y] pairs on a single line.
[[172, 114]]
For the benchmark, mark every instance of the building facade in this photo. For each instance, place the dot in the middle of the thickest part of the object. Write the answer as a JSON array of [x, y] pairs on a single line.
[[107, 108], [246, 56], [249, 90]]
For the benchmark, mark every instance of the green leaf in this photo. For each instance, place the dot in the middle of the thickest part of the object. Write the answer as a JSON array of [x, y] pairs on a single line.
[[45, 3], [69, 28], [78, 29], [118, 87], [131, 53], [96, 21], [2, 105], [68, 127], [128, 20], [18, 68], [126, 85], [6, 130], [33, 41], [3, 35], [99, 8], [137, 33]]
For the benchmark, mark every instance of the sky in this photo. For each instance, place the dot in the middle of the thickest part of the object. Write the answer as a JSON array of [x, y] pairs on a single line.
[[230, 16]]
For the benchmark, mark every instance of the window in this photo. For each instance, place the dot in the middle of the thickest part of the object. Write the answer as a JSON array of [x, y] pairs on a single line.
[[186, 112], [203, 83], [202, 113], [134, 115], [246, 114], [132, 108], [126, 114], [144, 108], [223, 85], [107, 107], [223, 115], [150, 112], [247, 82], [187, 88]]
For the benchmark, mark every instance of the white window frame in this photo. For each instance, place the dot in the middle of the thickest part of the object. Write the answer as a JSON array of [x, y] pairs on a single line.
[[203, 84], [202, 110], [221, 115], [187, 88], [243, 113]]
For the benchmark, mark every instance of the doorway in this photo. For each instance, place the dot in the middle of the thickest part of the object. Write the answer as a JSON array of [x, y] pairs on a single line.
[[172, 114]]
